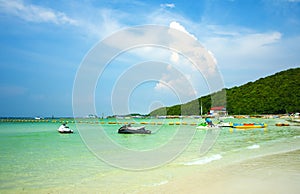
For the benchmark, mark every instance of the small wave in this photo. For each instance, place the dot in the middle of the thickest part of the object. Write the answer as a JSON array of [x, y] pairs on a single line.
[[158, 184], [204, 160], [255, 146], [298, 136]]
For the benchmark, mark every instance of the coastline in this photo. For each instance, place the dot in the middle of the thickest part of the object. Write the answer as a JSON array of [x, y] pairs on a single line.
[[257, 175], [250, 161], [276, 174]]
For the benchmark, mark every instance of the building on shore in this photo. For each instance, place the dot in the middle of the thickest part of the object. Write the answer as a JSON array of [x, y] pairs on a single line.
[[218, 111]]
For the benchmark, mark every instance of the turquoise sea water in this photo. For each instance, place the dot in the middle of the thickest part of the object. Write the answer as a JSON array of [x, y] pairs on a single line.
[[34, 157]]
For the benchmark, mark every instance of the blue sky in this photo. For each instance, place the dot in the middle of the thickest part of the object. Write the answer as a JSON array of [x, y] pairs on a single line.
[[44, 42]]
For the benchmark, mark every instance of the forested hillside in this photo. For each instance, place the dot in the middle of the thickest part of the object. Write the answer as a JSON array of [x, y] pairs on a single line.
[[275, 94]]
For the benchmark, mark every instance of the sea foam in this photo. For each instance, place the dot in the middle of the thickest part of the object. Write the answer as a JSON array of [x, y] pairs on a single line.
[[158, 183], [204, 160], [255, 146]]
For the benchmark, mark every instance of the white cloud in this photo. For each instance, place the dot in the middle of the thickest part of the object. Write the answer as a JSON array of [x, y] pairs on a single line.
[[180, 74], [235, 48], [247, 53], [238, 49], [178, 26], [174, 57], [213, 57], [186, 80], [182, 85], [250, 54], [203, 60], [34, 13], [102, 23], [167, 5]]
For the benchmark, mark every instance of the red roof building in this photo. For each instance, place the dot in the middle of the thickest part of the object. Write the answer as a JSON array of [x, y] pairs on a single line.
[[218, 111], [218, 108]]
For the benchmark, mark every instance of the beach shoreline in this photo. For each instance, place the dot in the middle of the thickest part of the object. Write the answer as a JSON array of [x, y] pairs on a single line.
[[255, 175]]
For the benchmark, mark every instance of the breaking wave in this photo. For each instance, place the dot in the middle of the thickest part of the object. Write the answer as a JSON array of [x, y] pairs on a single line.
[[204, 160], [255, 146]]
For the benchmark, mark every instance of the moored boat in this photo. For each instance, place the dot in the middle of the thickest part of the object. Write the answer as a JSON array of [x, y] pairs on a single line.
[[203, 125], [128, 129], [64, 129], [226, 124], [207, 127], [294, 118]]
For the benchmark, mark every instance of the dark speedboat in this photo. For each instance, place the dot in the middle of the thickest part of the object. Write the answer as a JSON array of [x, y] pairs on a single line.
[[128, 129]]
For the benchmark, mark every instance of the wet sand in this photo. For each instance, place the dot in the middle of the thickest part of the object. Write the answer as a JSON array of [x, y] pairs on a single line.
[[279, 173]]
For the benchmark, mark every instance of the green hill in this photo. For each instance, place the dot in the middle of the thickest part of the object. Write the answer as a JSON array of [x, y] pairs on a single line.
[[275, 94]]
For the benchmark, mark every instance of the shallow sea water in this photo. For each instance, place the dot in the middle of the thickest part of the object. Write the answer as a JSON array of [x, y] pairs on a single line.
[[34, 157]]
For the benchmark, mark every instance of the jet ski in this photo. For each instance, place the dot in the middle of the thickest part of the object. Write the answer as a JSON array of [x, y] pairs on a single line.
[[128, 129], [64, 129]]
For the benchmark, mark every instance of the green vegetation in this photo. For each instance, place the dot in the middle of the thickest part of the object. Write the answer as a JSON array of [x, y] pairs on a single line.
[[275, 94]]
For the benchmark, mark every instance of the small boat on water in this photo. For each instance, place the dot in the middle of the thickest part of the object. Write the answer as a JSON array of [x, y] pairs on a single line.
[[205, 126], [295, 118], [128, 129], [224, 124], [64, 129], [249, 125]]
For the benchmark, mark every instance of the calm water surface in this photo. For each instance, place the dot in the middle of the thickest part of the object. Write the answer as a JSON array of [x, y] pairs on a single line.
[[35, 157]]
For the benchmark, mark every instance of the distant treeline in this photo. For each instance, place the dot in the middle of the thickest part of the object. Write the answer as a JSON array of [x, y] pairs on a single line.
[[275, 94]]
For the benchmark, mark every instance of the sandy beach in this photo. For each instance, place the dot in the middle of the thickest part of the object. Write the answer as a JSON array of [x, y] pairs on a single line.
[[279, 173], [274, 174]]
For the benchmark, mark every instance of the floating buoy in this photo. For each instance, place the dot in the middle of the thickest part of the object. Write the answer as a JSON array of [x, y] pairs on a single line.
[[282, 124]]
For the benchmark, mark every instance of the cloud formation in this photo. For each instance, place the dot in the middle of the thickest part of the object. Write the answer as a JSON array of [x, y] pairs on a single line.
[[197, 66], [34, 13], [167, 5], [178, 26]]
